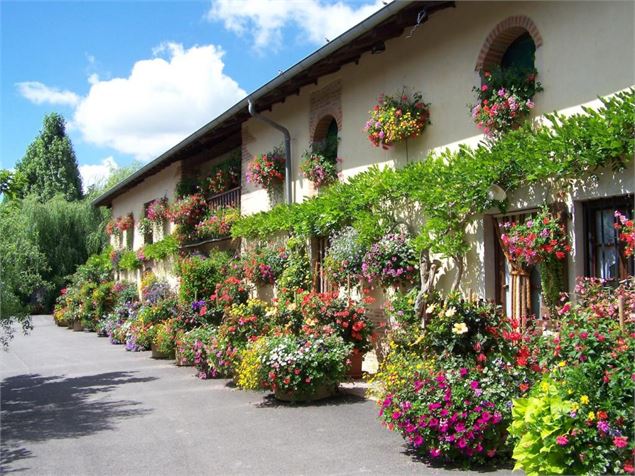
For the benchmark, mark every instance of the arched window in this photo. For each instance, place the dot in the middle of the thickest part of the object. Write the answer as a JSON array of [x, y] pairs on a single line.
[[511, 44], [325, 138]]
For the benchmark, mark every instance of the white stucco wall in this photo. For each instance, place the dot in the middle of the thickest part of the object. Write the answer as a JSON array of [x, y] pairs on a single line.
[[586, 52]]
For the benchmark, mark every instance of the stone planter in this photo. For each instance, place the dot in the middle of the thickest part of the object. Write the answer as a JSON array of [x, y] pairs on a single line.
[[77, 326], [160, 355], [320, 393], [355, 367]]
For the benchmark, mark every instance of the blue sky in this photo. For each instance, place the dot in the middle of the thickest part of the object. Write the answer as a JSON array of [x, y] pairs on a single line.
[[132, 78]]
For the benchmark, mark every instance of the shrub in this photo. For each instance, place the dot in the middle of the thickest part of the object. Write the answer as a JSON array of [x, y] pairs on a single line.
[[580, 419], [264, 264], [247, 374], [227, 293], [343, 261], [198, 275]]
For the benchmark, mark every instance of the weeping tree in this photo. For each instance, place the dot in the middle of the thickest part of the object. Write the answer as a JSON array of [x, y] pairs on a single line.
[[67, 233]]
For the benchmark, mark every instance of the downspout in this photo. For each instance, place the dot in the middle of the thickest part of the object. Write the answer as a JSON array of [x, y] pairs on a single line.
[[287, 147]]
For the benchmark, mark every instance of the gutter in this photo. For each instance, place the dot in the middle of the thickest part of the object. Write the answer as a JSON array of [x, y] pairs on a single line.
[[287, 147], [345, 38]]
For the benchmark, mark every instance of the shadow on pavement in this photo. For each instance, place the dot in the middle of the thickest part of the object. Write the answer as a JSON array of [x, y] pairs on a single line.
[[269, 401], [37, 408], [497, 464]]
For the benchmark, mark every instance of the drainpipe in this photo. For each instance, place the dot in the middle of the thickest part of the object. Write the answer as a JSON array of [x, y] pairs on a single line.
[[287, 147]]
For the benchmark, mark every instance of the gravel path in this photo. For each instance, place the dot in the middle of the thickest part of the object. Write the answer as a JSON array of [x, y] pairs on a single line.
[[73, 404]]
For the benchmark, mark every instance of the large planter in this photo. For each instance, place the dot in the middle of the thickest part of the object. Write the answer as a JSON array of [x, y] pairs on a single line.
[[355, 367], [156, 354], [320, 393], [77, 326]]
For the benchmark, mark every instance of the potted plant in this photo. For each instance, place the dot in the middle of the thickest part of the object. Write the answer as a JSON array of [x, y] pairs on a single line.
[[163, 341], [267, 170], [304, 368], [396, 118], [390, 261], [504, 99]]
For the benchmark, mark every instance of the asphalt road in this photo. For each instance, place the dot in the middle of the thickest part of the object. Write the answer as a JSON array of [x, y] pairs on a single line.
[[73, 404]]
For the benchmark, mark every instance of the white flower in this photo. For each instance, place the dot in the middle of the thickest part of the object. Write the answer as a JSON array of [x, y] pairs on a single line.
[[450, 312], [431, 308], [459, 328]]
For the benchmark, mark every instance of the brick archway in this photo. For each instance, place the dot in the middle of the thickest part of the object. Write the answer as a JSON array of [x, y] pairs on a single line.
[[504, 35], [322, 127]]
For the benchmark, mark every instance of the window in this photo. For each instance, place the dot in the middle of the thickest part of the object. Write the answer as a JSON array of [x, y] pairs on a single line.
[[148, 231], [605, 256], [520, 54]]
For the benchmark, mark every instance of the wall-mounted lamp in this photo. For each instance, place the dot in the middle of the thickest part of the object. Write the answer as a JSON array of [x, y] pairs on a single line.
[[497, 193]]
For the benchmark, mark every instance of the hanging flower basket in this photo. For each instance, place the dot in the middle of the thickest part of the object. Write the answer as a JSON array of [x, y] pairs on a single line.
[[504, 100], [267, 170], [396, 118]]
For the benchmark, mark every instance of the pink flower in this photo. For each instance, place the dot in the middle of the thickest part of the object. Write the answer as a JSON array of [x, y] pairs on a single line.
[[418, 441], [562, 440], [620, 441], [435, 452]]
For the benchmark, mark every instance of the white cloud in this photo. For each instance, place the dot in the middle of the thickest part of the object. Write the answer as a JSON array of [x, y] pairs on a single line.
[[97, 174], [39, 93], [264, 20], [162, 101]]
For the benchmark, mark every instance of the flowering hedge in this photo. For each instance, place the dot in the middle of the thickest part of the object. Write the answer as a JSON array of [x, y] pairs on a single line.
[[396, 118], [504, 99]]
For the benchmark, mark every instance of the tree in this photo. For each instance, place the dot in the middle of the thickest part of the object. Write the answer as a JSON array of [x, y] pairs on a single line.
[[49, 166], [21, 268]]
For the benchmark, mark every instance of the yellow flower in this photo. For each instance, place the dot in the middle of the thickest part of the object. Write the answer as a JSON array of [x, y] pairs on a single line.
[[569, 392], [584, 400], [591, 416], [562, 363], [544, 386], [575, 407]]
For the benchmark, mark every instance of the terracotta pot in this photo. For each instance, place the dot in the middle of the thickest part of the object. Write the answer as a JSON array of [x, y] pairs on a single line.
[[320, 393], [160, 355], [77, 326], [355, 368]]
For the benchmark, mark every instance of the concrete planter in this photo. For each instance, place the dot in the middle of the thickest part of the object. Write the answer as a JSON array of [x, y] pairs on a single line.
[[320, 393], [355, 368], [77, 326], [161, 355]]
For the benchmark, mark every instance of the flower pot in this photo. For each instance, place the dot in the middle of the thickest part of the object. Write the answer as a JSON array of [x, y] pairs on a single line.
[[77, 326], [355, 367], [319, 393], [161, 355]]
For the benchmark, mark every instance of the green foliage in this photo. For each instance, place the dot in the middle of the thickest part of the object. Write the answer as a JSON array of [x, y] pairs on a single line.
[[168, 246], [22, 265], [128, 260], [199, 275], [450, 189], [49, 165], [297, 271]]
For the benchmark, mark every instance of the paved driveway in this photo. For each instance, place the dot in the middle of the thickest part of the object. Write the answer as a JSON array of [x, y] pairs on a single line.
[[73, 404]]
